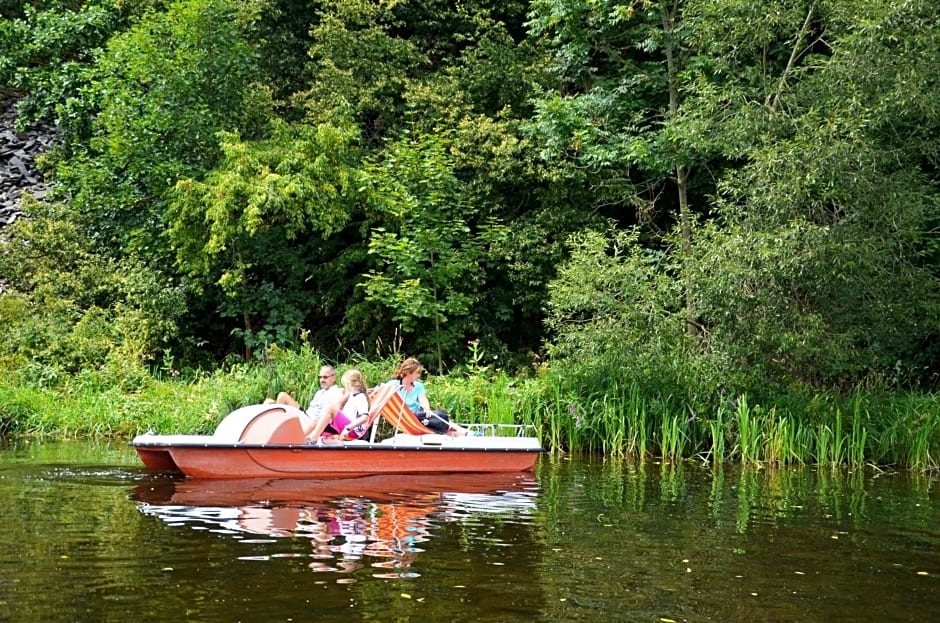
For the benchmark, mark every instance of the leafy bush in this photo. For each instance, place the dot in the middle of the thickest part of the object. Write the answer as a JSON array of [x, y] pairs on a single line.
[[69, 308]]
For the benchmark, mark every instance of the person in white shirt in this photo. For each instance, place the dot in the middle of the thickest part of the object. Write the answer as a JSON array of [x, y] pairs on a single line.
[[328, 393], [348, 417]]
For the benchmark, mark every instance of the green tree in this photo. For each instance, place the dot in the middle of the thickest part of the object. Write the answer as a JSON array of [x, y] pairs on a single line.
[[154, 99], [460, 74], [816, 264], [47, 49], [822, 270], [250, 228], [617, 316], [69, 309], [431, 248], [163, 89], [617, 85]]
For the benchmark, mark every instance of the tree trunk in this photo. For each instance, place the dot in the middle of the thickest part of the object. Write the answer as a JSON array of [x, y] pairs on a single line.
[[668, 12], [246, 319]]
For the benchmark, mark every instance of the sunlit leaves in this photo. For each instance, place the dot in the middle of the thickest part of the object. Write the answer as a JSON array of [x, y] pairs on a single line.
[[301, 181], [431, 249], [172, 81], [72, 309], [361, 65], [47, 50]]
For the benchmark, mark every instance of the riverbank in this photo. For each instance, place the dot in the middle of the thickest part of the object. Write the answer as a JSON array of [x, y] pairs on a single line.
[[863, 427]]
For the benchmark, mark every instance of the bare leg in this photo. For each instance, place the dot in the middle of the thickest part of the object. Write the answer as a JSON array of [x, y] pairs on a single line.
[[284, 398], [454, 430], [315, 428]]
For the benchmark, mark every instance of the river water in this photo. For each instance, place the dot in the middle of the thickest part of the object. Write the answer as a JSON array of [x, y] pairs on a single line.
[[87, 534]]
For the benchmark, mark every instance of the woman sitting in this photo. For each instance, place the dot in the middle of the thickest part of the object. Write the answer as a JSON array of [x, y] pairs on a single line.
[[416, 399], [349, 416]]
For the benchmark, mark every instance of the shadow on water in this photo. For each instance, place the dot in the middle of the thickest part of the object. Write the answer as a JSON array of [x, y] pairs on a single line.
[[86, 534]]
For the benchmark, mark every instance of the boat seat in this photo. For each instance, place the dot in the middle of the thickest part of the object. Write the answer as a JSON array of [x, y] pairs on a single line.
[[274, 427]]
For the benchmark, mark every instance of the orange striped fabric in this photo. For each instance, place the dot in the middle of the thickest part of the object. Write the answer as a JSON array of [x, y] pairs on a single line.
[[397, 414], [378, 400]]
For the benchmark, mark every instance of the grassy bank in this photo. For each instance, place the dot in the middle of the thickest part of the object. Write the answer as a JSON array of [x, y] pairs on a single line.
[[864, 427]]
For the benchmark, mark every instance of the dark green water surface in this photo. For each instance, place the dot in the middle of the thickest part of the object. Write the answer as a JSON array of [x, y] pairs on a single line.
[[87, 534]]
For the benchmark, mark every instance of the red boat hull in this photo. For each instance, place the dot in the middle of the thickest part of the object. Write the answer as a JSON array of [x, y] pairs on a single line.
[[326, 462], [265, 441], [156, 458]]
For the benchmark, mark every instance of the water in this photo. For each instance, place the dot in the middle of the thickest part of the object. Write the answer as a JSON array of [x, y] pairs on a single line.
[[86, 534]]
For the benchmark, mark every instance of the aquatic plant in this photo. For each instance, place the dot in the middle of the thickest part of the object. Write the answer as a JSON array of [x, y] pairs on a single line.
[[865, 426]]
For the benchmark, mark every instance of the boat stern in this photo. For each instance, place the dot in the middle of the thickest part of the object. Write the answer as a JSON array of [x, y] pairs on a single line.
[[156, 458]]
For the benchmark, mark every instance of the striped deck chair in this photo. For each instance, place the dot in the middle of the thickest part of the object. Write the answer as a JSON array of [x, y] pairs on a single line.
[[403, 420], [400, 417]]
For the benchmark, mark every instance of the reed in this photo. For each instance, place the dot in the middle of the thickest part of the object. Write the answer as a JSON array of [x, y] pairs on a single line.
[[612, 423], [921, 455], [581, 424], [717, 436], [913, 436], [635, 412], [830, 445], [749, 433], [893, 445], [858, 436], [925, 446], [497, 404], [559, 416], [673, 437], [780, 447], [831, 441], [527, 414], [823, 444]]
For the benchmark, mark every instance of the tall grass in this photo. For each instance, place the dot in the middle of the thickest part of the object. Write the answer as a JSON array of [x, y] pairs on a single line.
[[716, 430], [912, 437], [830, 441], [635, 414], [858, 434], [611, 425], [785, 440], [749, 432], [625, 420], [673, 437]]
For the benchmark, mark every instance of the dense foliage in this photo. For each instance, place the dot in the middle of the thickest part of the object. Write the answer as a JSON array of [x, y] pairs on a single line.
[[695, 198]]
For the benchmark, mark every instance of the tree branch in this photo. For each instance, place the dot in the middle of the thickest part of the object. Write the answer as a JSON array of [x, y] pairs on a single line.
[[795, 53]]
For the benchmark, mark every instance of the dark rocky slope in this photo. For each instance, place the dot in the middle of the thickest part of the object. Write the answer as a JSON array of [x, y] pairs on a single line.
[[18, 173], [18, 152]]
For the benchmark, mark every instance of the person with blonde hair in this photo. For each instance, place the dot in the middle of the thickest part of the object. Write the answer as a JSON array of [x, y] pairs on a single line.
[[347, 417]]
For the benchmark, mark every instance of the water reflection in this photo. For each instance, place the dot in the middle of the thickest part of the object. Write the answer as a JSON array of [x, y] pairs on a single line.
[[594, 540], [755, 496], [733, 543], [379, 521]]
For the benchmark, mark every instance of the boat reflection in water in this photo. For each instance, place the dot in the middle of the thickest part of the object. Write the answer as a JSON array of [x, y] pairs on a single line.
[[377, 520]]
